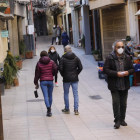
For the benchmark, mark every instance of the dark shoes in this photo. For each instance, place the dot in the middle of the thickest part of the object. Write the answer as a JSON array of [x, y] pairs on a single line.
[[66, 111], [123, 123], [117, 125], [49, 113], [76, 112]]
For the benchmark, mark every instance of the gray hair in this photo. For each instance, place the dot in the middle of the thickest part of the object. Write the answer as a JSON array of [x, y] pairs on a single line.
[[129, 44], [68, 49], [115, 43]]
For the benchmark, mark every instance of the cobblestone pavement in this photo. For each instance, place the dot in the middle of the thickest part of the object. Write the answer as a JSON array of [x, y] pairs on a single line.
[[25, 117]]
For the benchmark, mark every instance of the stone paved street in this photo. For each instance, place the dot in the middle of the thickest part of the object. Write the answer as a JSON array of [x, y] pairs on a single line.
[[25, 117]]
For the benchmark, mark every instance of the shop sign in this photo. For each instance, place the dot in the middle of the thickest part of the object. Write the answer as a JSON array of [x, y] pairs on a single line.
[[73, 3], [4, 33]]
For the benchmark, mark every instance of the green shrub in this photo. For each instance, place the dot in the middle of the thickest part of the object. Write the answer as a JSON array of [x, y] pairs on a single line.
[[22, 47]]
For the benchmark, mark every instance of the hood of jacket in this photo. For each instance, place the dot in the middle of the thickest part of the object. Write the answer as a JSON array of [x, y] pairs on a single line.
[[64, 33], [44, 60], [114, 55], [69, 55]]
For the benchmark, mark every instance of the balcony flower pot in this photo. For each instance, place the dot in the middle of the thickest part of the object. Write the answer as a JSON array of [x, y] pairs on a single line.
[[16, 82], [29, 54]]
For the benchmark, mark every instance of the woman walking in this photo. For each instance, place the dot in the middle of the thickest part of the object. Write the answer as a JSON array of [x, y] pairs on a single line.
[[65, 39], [45, 70], [53, 55]]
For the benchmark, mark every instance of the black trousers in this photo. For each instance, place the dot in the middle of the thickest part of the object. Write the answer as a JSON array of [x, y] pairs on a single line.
[[56, 78], [119, 101]]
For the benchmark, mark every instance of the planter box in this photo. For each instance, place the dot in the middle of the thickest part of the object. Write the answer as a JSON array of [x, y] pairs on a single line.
[[2, 89], [29, 55], [95, 56], [19, 64], [16, 82], [22, 56], [7, 86]]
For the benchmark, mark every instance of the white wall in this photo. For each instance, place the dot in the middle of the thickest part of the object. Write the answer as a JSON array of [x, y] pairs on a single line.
[[133, 21], [68, 9], [19, 10]]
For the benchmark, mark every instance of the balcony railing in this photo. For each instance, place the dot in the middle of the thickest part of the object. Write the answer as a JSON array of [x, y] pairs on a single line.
[[3, 1]]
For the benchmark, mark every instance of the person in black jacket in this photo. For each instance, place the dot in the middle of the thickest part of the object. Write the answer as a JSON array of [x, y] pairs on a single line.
[[53, 55], [118, 67], [128, 48], [70, 67]]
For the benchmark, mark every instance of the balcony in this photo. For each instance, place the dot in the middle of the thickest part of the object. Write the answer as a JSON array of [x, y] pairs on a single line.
[[3, 5], [96, 4]]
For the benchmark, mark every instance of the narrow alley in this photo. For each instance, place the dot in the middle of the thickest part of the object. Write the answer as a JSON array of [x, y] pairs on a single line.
[[25, 117]]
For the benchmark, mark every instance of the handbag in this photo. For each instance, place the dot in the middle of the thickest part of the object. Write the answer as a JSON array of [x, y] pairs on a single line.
[[57, 39], [36, 94]]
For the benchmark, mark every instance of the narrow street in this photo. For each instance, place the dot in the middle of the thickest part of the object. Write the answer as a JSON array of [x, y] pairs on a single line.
[[25, 117]]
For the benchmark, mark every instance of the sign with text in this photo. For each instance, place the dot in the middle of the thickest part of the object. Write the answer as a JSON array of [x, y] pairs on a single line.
[[4, 33], [73, 3]]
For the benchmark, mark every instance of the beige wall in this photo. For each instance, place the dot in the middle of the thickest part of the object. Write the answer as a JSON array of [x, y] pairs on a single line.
[[50, 22], [68, 9], [13, 34], [3, 45], [59, 20], [19, 10]]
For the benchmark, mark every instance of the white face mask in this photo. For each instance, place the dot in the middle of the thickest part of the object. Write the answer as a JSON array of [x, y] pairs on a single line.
[[120, 51], [52, 51]]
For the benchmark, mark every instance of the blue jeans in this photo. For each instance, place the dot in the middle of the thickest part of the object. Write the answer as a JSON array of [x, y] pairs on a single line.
[[47, 89], [66, 87], [53, 38]]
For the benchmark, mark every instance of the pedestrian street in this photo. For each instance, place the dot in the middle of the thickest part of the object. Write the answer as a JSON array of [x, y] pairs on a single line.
[[24, 116]]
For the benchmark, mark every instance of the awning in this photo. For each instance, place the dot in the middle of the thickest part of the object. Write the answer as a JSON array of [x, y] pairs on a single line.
[[96, 4], [138, 13], [6, 16]]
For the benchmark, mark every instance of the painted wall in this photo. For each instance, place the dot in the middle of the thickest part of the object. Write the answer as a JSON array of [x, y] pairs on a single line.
[[50, 22], [68, 9], [133, 22], [19, 10], [3, 45]]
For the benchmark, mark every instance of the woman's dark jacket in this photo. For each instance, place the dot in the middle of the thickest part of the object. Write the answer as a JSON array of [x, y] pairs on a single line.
[[111, 71], [45, 70], [65, 39], [70, 67], [55, 57]]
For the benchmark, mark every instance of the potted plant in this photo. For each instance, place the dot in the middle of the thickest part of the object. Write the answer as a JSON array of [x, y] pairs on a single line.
[[29, 54], [83, 41], [11, 65], [96, 54], [22, 47], [7, 73], [18, 61]]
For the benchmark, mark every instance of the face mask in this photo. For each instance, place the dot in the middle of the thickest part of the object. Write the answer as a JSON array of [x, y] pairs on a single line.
[[130, 47], [120, 51], [52, 51], [53, 26]]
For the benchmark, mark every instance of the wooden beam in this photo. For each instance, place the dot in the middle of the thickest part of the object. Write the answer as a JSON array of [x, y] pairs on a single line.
[[1, 120]]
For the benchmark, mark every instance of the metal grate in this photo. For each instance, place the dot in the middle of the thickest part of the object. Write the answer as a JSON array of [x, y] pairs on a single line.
[[96, 97], [35, 100]]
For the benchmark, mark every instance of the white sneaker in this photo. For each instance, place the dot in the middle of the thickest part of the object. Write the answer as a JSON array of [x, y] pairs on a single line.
[[56, 84]]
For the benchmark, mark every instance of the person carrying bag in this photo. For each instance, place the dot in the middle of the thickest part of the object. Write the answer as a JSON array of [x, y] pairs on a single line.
[[45, 70]]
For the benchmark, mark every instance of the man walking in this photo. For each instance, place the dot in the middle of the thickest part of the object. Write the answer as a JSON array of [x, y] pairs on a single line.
[[58, 32], [118, 67], [70, 67]]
